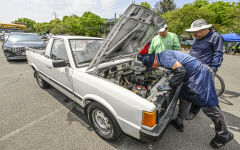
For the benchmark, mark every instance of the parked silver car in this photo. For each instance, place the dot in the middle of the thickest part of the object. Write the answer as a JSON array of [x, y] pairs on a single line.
[[15, 44]]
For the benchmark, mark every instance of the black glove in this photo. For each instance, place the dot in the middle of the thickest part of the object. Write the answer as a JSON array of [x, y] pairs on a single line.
[[177, 79]]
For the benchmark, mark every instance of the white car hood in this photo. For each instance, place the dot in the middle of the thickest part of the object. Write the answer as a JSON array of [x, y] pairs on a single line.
[[131, 33]]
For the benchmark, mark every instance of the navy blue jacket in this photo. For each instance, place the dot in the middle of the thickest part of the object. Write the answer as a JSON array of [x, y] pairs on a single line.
[[209, 49], [198, 87]]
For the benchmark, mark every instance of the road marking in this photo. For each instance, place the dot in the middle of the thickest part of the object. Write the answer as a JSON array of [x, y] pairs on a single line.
[[31, 124], [233, 127]]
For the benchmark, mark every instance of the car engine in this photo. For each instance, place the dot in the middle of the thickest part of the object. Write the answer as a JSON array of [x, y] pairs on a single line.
[[132, 76]]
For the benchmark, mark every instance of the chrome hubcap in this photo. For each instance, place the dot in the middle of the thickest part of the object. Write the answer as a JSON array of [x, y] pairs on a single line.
[[101, 122]]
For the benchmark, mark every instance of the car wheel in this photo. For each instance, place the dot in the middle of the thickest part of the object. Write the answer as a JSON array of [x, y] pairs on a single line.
[[103, 122], [43, 84]]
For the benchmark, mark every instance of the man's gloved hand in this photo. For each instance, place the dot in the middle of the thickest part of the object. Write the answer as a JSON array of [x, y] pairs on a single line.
[[177, 79]]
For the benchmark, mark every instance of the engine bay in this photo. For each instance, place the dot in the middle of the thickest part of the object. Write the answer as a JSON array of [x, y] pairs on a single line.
[[132, 76]]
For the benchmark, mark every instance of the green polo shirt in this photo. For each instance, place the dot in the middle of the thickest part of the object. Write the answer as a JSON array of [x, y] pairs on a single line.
[[169, 42]]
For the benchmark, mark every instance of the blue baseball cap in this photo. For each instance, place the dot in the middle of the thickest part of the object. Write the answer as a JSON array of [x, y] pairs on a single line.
[[148, 61]]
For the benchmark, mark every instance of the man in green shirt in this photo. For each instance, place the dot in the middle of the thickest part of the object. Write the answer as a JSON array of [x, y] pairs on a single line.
[[164, 41]]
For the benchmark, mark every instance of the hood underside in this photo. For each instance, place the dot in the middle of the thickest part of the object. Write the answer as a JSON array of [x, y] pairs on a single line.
[[131, 33]]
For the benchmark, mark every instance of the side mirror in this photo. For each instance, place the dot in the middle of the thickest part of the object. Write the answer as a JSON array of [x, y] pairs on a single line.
[[59, 63]]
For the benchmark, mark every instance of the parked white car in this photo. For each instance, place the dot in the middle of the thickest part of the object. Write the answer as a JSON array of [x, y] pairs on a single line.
[[106, 80]]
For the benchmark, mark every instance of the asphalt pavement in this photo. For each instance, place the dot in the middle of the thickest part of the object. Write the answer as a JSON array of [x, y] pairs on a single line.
[[35, 119]]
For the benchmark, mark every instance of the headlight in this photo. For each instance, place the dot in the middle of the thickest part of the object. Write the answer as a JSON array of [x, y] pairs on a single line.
[[8, 54], [6, 48], [149, 118]]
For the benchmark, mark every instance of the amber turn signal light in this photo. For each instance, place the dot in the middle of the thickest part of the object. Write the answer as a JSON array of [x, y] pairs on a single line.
[[149, 118]]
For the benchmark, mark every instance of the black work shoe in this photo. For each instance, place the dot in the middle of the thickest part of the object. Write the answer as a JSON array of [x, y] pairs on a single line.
[[219, 143], [179, 127], [190, 116]]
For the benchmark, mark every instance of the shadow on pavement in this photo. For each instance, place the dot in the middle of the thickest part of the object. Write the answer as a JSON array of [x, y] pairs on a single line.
[[233, 122], [196, 136], [75, 112], [231, 94], [227, 95]]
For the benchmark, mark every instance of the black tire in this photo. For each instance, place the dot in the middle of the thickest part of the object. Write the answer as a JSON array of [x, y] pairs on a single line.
[[43, 84], [219, 85], [97, 112]]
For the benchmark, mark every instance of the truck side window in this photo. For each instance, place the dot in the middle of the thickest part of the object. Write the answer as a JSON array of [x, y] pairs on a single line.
[[58, 50]]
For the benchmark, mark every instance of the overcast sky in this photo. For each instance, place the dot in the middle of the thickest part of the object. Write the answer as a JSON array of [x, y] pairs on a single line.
[[43, 10]]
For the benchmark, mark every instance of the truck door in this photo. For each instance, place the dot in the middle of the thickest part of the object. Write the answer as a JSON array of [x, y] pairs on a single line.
[[61, 77]]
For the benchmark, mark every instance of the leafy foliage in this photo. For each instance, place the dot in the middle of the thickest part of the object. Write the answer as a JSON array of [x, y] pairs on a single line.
[[164, 6], [224, 16], [200, 3], [146, 4], [28, 22], [88, 24]]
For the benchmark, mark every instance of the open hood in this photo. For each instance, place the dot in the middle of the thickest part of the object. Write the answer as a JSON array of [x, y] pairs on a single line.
[[131, 33]]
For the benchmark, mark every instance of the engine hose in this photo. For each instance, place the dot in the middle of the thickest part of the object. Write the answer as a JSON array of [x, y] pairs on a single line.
[[125, 78]]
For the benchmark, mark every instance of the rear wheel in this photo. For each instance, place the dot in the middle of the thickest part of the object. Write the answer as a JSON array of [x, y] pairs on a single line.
[[219, 85], [103, 122], [43, 84]]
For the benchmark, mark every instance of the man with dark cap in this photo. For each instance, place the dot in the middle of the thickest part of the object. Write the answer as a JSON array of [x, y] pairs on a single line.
[[208, 47], [197, 88]]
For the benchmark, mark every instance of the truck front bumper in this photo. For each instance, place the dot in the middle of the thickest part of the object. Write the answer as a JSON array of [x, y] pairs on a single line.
[[162, 121]]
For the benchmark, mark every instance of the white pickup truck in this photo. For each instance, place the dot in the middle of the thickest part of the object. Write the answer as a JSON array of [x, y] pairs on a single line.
[[106, 80]]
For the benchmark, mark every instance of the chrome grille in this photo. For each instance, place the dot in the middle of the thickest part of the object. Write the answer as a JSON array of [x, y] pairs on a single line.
[[18, 50]]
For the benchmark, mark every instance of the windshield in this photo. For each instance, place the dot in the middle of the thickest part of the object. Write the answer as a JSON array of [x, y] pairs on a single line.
[[24, 38], [84, 50]]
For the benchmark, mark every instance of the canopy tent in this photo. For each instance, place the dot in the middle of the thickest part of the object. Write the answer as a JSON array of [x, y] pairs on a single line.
[[233, 37]]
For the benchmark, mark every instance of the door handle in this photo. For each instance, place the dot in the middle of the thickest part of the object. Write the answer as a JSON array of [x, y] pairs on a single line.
[[49, 67]]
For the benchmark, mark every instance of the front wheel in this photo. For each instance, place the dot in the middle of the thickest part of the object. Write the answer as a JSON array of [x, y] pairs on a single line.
[[43, 84], [103, 122], [219, 85]]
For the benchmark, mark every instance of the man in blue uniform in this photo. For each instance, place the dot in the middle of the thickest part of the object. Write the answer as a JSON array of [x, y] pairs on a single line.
[[208, 47], [197, 88]]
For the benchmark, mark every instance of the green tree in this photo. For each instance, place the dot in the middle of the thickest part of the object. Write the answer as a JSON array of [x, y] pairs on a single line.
[[181, 19], [224, 12], [164, 6], [146, 4], [59, 29], [42, 28], [200, 3], [27, 22], [91, 24], [224, 16], [72, 23]]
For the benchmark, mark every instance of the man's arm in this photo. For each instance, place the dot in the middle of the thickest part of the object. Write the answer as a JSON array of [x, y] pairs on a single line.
[[152, 47], [218, 53], [176, 43], [167, 60], [178, 76]]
